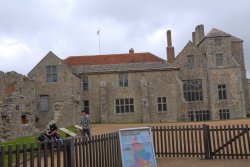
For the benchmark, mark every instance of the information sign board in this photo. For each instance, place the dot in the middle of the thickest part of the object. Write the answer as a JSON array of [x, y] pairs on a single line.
[[136, 147]]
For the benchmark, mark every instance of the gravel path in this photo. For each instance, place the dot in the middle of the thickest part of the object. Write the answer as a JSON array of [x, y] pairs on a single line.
[[190, 162], [193, 162], [105, 128]]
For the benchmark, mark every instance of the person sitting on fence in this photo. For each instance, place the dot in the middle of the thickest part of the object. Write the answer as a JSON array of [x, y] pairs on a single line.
[[85, 121], [54, 133]]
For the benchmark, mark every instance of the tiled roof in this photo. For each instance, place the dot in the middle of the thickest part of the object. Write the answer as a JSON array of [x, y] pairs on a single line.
[[218, 33], [107, 68], [113, 59], [235, 39], [215, 32]]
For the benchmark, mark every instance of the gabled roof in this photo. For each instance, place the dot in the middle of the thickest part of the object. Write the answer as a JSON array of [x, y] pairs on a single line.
[[187, 46], [113, 59], [235, 39], [215, 33], [50, 55], [218, 33]]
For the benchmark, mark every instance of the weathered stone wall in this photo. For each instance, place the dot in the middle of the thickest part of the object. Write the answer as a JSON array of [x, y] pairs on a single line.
[[235, 97], [238, 54], [64, 95], [247, 112], [142, 86], [16, 106], [199, 72], [229, 74]]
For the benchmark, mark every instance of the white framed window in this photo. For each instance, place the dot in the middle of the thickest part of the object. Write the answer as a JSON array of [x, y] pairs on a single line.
[[192, 90], [202, 115], [219, 59], [190, 62], [191, 115], [222, 92], [162, 103], [124, 105], [44, 102], [224, 114], [51, 74], [85, 83], [123, 79]]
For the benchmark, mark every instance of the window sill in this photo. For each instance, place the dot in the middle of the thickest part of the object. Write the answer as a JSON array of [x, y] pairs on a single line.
[[165, 113], [52, 82], [124, 113], [223, 100], [189, 102]]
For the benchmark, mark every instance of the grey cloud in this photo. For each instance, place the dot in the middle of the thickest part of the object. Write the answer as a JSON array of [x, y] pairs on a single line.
[[68, 27]]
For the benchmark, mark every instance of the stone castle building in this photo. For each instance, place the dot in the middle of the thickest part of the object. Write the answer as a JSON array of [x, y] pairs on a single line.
[[212, 77], [206, 80]]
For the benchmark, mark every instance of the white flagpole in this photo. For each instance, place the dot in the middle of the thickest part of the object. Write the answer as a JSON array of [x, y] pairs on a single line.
[[99, 35]]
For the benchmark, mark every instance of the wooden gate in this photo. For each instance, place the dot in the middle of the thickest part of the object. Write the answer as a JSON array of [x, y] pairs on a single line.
[[229, 142], [208, 142]]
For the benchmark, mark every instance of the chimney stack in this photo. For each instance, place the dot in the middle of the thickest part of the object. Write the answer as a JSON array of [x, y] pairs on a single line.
[[199, 34], [131, 50], [193, 37], [170, 48]]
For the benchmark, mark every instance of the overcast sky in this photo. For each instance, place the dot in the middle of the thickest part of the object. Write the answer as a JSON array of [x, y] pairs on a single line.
[[29, 29]]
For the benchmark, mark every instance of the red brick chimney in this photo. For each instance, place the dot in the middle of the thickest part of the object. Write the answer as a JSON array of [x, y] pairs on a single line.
[[131, 50], [170, 48]]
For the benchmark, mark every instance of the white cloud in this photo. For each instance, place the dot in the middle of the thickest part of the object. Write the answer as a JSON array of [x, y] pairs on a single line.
[[11, 48], [155, 37]]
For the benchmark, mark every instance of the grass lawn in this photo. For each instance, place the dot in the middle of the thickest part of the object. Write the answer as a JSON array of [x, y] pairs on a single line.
[[30, 139], [25, 140]]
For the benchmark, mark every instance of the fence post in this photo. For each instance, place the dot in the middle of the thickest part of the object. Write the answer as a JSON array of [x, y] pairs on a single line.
[[2, 156], [206, 138], [119, 155], [70, 152]]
